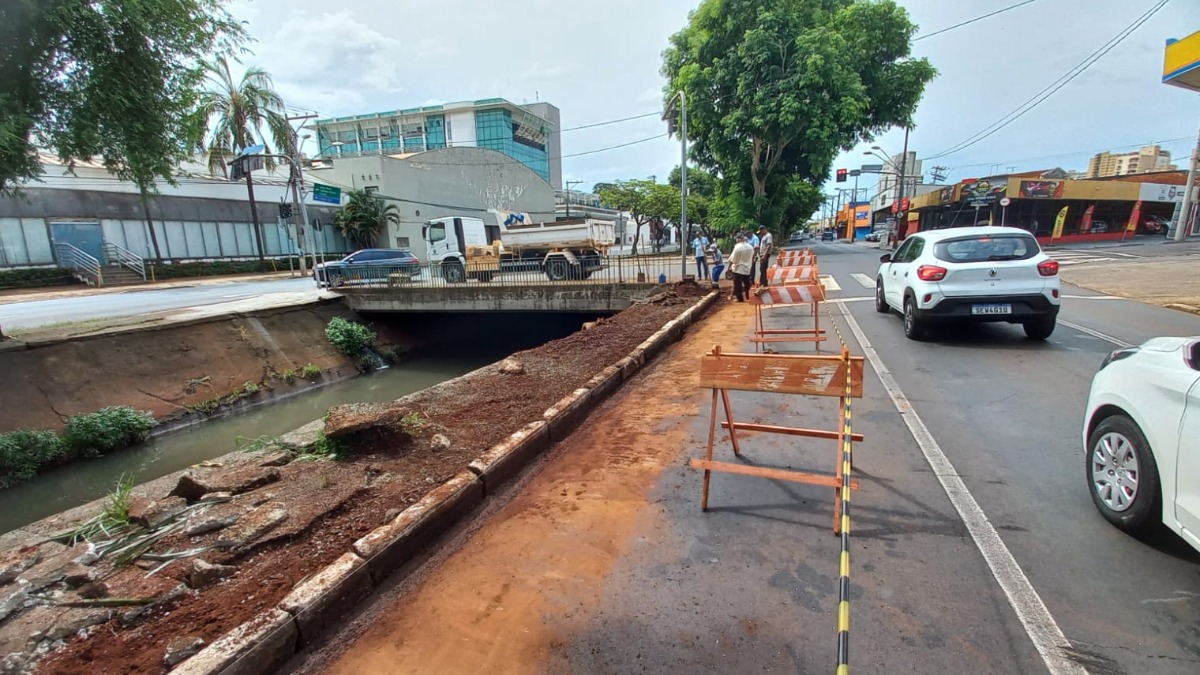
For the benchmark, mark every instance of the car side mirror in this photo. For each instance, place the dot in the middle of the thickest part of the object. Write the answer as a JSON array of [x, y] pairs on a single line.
[[885, 258], [1194, 356]]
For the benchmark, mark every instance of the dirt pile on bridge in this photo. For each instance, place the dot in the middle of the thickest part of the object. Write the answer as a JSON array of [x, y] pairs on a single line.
[[311, 512]]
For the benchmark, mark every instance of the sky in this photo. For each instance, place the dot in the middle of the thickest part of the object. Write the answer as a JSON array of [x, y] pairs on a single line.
[[600, 61]]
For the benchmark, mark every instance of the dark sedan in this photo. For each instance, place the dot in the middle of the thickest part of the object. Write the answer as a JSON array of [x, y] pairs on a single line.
[[368, 264]]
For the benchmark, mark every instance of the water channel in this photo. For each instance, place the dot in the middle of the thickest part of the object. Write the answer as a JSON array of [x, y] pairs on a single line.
[[69, 486]]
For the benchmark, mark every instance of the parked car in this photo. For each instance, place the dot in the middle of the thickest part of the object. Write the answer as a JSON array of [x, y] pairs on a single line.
[[1141, 436], [970, 274], [366, 265], [828, 235], [873, 236]]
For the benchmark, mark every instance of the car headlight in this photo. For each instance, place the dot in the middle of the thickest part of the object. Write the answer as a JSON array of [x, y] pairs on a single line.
[[1117, 355]]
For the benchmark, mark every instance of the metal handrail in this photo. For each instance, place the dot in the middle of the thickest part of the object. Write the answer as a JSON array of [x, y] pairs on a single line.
[[72, 258], [119, 255]]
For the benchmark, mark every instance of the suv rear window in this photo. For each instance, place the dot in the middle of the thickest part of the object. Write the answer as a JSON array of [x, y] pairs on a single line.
[[986, 248]]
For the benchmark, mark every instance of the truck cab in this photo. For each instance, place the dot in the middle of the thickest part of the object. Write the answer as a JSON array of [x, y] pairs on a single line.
[[463, 248]]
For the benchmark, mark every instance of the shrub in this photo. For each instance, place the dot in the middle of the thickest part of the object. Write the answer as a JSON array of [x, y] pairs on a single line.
[[23, 453], [251, 388], [34, 277], [92, 434], [310, 372], [349, 337], [413, 423]]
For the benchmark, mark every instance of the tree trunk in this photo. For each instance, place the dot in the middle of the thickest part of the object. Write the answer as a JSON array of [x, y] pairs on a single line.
[[150, 224]]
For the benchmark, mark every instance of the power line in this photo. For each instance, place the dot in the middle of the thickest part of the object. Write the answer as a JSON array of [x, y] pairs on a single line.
[[1076, 152], [656, 113], [1053, 87], [971, 21]]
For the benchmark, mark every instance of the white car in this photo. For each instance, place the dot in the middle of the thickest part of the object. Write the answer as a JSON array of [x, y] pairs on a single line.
[[1141, 435], [970, 274]]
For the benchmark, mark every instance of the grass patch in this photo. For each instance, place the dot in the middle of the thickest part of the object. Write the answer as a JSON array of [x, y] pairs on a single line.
[[310, 372]]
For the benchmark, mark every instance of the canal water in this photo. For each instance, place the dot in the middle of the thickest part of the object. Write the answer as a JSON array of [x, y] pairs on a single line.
[[69, 486]]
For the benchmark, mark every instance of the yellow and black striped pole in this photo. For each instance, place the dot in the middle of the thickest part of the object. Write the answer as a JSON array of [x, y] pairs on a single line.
[[843, 614]]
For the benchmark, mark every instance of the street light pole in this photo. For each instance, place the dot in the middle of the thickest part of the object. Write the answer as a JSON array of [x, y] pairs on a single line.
[[1184, 221], [683, 158]]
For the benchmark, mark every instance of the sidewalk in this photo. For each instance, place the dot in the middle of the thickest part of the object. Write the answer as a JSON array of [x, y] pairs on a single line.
[[1173, 283], [14, 295]]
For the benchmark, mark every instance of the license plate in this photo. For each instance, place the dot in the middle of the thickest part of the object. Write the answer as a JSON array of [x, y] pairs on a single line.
[[991, 309]]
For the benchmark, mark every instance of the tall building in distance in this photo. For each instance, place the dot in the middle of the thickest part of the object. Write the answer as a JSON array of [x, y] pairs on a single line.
[[889, 181], [527, 133], [1149, 159]]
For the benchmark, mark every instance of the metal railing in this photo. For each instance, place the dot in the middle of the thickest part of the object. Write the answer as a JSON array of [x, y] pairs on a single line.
[[608, 270], [80, 262], [118, 255]]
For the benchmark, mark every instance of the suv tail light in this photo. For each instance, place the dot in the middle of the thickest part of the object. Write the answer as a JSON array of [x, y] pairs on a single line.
[[1048, 268], [931, 273]]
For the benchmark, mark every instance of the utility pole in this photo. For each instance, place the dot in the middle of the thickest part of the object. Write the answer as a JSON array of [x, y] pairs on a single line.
[[900, 211], [567, 196], [298, 207], [682, 182], [1183, 223], [258, 237]]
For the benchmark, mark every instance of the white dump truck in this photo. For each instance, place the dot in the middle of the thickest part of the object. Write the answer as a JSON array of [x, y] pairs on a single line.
[[563, 250]]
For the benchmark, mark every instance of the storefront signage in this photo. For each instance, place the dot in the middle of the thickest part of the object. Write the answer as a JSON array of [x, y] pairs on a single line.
[[984, 192], [1157, 192], [1041, 189]]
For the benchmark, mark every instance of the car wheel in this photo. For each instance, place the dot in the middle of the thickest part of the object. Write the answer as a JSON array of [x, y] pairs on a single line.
[[337, 280], [1040, 329], [881, 305], [1122, 476], [453, 273], [913, 328]]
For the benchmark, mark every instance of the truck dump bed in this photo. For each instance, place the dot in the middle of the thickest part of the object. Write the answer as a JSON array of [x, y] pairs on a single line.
[[572, 234]]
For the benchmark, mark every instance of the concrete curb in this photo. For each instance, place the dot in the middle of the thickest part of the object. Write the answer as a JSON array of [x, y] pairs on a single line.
[[265, 642]]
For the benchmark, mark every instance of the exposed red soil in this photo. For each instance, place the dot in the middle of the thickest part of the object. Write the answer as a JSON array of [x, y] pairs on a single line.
[[387, 475]]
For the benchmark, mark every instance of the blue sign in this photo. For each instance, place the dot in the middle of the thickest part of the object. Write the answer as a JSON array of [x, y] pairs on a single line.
[[254, 150]]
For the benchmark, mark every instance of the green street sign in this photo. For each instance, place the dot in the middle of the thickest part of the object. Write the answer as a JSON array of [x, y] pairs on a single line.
[[327, 194]]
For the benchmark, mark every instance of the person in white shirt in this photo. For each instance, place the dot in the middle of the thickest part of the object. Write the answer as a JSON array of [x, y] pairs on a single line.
[[718, 265], [765, 246], [699, 247], [741, 264]]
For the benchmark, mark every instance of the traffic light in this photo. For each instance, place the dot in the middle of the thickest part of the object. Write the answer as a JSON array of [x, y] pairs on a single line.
[[841, 175], [285, 210]]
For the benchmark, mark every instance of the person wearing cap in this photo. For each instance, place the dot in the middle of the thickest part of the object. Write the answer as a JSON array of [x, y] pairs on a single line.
[[741, 264], [765, 244], [718, 264]]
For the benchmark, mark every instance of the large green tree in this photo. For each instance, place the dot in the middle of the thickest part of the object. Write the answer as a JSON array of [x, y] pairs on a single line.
[[237, 110], [111, 80], [364, 216], [649, 204], [776, 87]]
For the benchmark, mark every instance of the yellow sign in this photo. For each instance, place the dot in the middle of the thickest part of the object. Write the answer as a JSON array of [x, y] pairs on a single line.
[[1181, 62], [1059, 222]]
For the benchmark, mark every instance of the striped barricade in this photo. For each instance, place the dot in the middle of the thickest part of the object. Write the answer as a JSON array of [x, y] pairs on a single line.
[[796, 258], [809, 293]]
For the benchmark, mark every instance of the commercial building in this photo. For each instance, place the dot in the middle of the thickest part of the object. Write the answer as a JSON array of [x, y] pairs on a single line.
[[1149, 159], [527, 133], [889, 181]]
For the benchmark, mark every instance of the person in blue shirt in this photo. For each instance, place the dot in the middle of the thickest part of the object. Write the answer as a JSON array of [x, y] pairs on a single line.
[[699, 249]]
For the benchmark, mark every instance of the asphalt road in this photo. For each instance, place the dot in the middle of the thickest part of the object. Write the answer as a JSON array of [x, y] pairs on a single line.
[[648, 583], [139, 300]]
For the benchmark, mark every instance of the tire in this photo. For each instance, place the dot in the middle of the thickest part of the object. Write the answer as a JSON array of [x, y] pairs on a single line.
[[558, 269], [881, 305], [1040, 329], [453, 273], [337, 279], [913, 328], [1118, 451]]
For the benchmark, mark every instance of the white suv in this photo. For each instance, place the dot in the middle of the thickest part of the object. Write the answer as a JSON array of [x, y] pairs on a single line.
[[970, 274], [1141, 437]]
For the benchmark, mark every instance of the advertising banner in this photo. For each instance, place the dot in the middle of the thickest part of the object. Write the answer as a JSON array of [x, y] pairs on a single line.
[[1059, 222], [985, 191], [1134, 218], [1085, 223], [1041, 189], [1157, 192]]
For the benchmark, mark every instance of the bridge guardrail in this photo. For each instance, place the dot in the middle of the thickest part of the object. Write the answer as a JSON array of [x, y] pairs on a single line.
[[605, 270]]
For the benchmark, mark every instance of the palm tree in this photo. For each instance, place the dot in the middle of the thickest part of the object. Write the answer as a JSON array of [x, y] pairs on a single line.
[[363, 216], [234, 114]]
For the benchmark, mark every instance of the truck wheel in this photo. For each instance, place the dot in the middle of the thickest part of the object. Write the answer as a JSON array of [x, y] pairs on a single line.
[[484, 277], [557, 269], [453, 273]]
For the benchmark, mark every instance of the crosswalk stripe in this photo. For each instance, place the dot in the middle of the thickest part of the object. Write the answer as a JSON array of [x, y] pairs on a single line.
[[830, 283], [866, 281]]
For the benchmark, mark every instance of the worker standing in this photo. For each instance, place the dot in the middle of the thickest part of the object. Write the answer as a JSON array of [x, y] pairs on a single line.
[[718, 264], [741, 264], [699, 249], [765, 246]]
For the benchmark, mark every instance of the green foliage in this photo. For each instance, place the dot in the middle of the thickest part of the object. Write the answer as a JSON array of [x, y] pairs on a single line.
[[25, 452], [108, 429], [648, 202], [326, 449], [349, 337], [107, 79], [363, 216], [288, 375], [116, 505], [34, 277], [250, 388], [310, 371], [414, 423], [235, 113], [776, 87], [208, 406]]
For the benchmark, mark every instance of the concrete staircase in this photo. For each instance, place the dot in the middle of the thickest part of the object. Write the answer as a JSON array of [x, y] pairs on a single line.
[[119, 275]]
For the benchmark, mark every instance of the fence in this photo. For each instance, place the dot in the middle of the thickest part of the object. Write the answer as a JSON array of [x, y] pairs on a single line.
[[607, 270]]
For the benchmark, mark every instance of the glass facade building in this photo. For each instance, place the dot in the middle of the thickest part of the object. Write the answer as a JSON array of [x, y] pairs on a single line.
[[495, 124]]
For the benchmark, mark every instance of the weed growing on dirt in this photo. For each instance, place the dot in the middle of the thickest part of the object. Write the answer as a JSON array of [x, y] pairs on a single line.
[[250, 388], [349, 337], [108, 429], [288, 375], [414, 423], [310, 372], [116, 505], [208, 406], [24, 452], [326, 449]]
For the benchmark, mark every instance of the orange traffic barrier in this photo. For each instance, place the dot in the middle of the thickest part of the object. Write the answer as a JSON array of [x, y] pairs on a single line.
[[808, 375], [795, 258], [810, 293]]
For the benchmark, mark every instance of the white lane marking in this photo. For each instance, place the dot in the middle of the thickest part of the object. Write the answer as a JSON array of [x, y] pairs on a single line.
[[1123, 255], [866, 281], [1096, 333], [1093, 297], [830, 283], [1047, 637], [1082, 261]]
